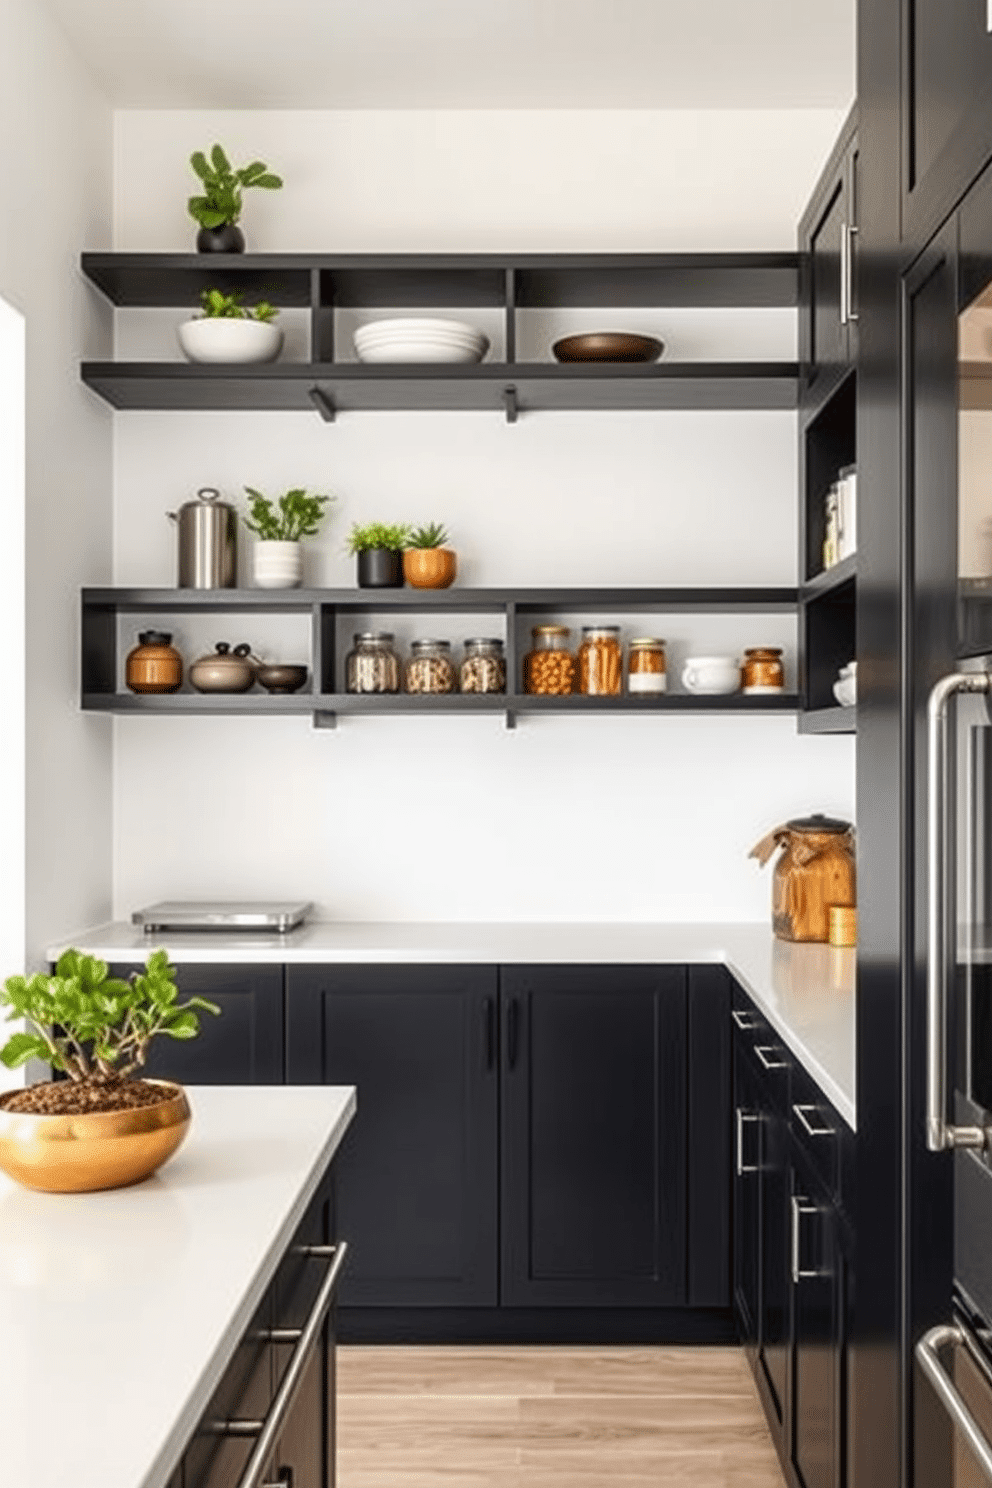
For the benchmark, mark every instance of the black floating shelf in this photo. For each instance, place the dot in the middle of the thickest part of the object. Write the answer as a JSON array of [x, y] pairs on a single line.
[[836, 720], [411, 280], [829, 580], [192, 703], [345, 387]]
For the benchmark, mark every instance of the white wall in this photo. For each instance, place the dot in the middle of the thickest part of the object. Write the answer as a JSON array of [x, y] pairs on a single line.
[[609, 818], [55, 163]]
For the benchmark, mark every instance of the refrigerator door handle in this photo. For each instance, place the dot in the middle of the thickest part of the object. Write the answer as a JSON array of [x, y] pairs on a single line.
[[929, 1361], [941, 1135]]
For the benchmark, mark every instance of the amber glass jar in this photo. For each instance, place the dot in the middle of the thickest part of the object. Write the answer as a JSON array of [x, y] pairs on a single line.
[[647, 672], [154, 665], [601, 661], [762, 670], [549, 667]]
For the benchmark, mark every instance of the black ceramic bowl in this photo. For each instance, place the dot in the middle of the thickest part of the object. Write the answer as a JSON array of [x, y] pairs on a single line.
[[281, 676]]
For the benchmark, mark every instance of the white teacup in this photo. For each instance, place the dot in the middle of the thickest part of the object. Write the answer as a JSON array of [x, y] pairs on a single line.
[[711, 674]]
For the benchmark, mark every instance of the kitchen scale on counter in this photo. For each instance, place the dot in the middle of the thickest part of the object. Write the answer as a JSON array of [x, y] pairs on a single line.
[[222, 914]]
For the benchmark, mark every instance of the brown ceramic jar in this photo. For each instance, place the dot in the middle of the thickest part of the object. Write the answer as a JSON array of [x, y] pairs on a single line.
[[154, 665], [762, 670]]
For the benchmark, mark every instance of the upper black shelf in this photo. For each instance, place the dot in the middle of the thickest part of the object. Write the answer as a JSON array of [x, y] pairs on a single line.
[[828, 580], [415, 280]]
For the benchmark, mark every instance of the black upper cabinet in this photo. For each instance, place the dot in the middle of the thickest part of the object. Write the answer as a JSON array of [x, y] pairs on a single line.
[[828, 267], [594, 1136], [947, 106], [243, 1046], [416, 1185]]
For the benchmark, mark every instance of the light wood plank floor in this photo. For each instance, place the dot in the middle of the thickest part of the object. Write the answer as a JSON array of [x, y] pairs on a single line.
[[550, 1418]]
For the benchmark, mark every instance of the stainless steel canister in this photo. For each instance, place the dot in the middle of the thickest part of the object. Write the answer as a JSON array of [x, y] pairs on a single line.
[[208, 542]]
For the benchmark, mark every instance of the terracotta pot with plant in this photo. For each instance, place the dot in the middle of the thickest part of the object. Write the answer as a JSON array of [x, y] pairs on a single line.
[[428, 562], [100, 1126], [218, 206], [379, 550], [280, 527]]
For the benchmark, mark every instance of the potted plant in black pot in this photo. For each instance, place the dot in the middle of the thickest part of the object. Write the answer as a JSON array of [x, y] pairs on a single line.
[[218, 207], [102, 1126], [379, 550]]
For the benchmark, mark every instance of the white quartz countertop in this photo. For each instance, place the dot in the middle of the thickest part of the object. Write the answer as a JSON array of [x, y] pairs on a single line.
[[805, 991], [119, 1311]]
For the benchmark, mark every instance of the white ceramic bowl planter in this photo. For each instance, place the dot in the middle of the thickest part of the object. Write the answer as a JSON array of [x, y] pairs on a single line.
[[224, 339], [277, 565]]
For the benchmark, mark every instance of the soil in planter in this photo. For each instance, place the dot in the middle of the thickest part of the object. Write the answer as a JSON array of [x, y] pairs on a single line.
[[84, 1098]]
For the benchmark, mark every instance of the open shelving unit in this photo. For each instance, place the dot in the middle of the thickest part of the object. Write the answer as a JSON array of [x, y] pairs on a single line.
[[333, 613], [329, 384]]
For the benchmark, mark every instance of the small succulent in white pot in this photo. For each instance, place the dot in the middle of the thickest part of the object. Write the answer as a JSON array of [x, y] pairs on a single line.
[[279, 527], [228, 331]]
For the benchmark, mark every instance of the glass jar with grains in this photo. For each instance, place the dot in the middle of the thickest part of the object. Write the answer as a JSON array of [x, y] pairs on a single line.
[[484, 666], [646, 669], [373, 665], [549, 666], [430, 668], [600, 661]]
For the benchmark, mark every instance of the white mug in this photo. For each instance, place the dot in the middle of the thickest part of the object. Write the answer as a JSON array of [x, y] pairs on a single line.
[[711, 674]]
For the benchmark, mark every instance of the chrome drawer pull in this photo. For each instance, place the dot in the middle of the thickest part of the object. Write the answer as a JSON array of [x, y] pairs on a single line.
[[927, 1358], [744, 1020], [742, 1166], [268, 1431], [800, 1206], [763, 1050], [813, 1131]]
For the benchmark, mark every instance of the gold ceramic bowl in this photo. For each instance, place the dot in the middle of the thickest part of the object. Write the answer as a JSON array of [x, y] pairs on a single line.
[[107, 1149], [429, 568]]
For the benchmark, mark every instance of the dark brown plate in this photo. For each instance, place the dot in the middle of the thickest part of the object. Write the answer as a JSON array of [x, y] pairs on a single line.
[[608, 346]]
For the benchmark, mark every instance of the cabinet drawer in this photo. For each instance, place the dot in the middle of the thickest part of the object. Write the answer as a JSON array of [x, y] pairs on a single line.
[[758, 1042], [816, 1130]]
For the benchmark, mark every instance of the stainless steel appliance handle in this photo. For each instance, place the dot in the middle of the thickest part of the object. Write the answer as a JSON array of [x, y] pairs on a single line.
[[941, 1135], [268, 1430], [800, 1206], [762, 1051], [929, 1362], [742, 1166]]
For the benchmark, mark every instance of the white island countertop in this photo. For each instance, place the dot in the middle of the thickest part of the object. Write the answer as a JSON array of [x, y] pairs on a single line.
[[805, 991], [121, 1310]]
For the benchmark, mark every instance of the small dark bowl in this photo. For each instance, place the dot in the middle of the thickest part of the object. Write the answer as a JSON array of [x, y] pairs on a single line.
[[281, 676], [608, 346]]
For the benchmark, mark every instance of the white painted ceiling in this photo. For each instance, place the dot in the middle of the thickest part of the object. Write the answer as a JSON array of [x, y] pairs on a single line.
[[447, 54]]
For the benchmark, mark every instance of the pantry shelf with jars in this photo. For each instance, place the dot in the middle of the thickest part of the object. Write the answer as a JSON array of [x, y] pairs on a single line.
[[512, 652]]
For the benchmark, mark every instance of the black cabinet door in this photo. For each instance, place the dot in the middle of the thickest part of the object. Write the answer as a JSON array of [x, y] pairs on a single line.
[[708, 1155], [748, 1117], [593, 1160], [817, 1271], [243, 1046], [416, 1181], [827, 247], [773, 1329], [947, 105]]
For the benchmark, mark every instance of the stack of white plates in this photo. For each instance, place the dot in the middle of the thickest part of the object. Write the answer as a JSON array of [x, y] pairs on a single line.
[[422, 340]]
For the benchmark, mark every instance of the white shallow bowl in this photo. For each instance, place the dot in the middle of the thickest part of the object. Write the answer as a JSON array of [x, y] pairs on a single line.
[[414, 326], [420, 352], [221, 340], [420, 339]]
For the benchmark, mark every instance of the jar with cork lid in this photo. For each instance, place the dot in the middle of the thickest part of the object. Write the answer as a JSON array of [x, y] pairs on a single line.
[[647, 669], [600, 661]]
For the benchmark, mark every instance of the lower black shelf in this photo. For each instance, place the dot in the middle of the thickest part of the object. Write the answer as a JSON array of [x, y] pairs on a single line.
[[835, 720], [327, 706]]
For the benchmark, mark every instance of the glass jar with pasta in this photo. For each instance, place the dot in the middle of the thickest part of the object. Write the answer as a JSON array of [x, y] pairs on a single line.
[[600, 661]]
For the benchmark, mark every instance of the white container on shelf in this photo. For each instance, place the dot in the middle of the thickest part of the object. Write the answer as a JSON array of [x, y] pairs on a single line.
[[219, 339], [277, 565], [711, 676]]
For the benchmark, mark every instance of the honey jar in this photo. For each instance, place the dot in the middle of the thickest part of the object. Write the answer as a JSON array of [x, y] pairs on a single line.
[[549, 667], [600, 661], [762, 670], [647, 673], [154, 665]]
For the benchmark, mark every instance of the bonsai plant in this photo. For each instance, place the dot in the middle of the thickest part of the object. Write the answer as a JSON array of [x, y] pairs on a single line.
[[228, 331], [279, 527], [379, 550], [428, 562], [99, 1127], [218, 208]]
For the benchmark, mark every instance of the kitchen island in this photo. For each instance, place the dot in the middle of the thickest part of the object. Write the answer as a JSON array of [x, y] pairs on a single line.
[[122, 1310]]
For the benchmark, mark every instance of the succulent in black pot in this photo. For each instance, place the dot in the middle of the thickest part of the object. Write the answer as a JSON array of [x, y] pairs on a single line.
[[379, 550]]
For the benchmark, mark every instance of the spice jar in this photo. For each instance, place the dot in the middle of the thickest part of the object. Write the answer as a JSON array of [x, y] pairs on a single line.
[[763, 670], [484, 666], [430, 668], [600, 661], [647, 673], [373, 665], [549, 667], [154, 665]]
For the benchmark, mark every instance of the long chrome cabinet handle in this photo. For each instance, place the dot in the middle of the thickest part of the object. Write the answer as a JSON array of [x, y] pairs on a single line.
[[844, 273], [268, 1430], [762, 1051], [742, 1118], [941, 1135], [851, 234], [944, 1388], [800, 1206]]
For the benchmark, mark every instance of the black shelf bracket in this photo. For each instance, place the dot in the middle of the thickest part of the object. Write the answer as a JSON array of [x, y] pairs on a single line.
[[510, 404], [323, 718], [324, 404], [510, 718]]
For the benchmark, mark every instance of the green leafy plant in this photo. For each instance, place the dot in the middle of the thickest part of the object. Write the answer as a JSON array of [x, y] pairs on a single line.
[[92, 1027], [221, 200], [378, 535], [219, 306], [296, 514], [434, 535]]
